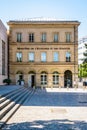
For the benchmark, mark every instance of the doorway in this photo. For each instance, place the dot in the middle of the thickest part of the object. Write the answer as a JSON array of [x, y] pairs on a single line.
[[19, 77], [32, 80], [68, 78]]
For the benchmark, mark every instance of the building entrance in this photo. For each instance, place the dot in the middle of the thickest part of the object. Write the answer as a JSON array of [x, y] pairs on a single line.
[[19, 78], [32, 80], [68, 79]]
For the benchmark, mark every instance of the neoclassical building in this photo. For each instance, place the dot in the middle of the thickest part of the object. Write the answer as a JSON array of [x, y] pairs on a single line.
[[3, 53], [43, 52]]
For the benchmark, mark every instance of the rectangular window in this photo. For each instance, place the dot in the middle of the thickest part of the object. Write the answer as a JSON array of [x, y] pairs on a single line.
[[56, 37], [19, 37], [19, 57], [3, 58], [68, 37], [43, 56], [31, 56], [43, 38], [55, 57], [31, 37], [68, 56]]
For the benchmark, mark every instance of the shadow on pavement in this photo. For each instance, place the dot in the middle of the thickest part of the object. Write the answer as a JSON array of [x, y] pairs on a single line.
[[48, 125]]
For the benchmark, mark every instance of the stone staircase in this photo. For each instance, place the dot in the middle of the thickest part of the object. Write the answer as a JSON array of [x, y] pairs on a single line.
[[10, 102]]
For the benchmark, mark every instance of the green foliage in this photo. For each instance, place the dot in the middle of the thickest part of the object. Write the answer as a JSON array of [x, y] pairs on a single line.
[[7, 81], [83, 70], [83, 67], [85, 55]]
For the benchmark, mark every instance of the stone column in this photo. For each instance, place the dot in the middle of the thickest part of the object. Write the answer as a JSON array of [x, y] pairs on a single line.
[[73, 80], [50, 84], [61, 80], [37, 78], [25, 79]]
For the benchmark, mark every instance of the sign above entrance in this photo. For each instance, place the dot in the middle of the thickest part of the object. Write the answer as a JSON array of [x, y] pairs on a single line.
[[50, 48]]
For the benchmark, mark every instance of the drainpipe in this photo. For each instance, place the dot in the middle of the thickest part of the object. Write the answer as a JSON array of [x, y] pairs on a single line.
[[74, 54]]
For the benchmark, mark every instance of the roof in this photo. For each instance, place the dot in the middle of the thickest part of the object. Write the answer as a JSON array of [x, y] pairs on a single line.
[[42, 20]]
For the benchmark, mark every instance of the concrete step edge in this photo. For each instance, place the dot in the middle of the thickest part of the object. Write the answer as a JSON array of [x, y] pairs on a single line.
[[10, 106], [9, 92], [7, 96], [7, 101], [13, 110]]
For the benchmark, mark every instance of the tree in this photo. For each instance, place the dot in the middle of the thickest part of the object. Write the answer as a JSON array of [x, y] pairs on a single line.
[[83, 67], [83, 70], [85, 55]]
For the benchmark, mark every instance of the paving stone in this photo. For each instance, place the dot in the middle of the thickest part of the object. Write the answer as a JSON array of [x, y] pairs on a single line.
[[51, 109]]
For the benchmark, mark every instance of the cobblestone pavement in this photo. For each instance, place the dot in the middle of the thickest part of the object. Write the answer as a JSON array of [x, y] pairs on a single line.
[[52, 109]]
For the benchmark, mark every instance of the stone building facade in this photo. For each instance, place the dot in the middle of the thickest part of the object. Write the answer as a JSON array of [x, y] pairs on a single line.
[[3, 52], [43, 53]]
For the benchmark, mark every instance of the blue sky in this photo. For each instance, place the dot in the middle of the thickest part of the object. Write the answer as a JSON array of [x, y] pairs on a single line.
[[59, 9]]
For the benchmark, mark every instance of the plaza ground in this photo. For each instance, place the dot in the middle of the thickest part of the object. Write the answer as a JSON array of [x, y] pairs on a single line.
[[51, 109]]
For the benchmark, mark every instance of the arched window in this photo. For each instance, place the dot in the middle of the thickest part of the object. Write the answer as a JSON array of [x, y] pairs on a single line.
[[43, 78], [55, 78]]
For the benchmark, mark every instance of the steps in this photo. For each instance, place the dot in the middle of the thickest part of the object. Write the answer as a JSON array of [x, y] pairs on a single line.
[[10, 102], [9, 95]]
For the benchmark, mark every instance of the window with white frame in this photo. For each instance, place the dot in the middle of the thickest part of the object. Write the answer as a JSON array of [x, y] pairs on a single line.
[[19, 37], [19, 57], [55, 78], [68, 56], [43, 78], [68, 37], [43, 56], [43, 37], [55, 57], [31, 37], [56, 37], [31, 56]]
